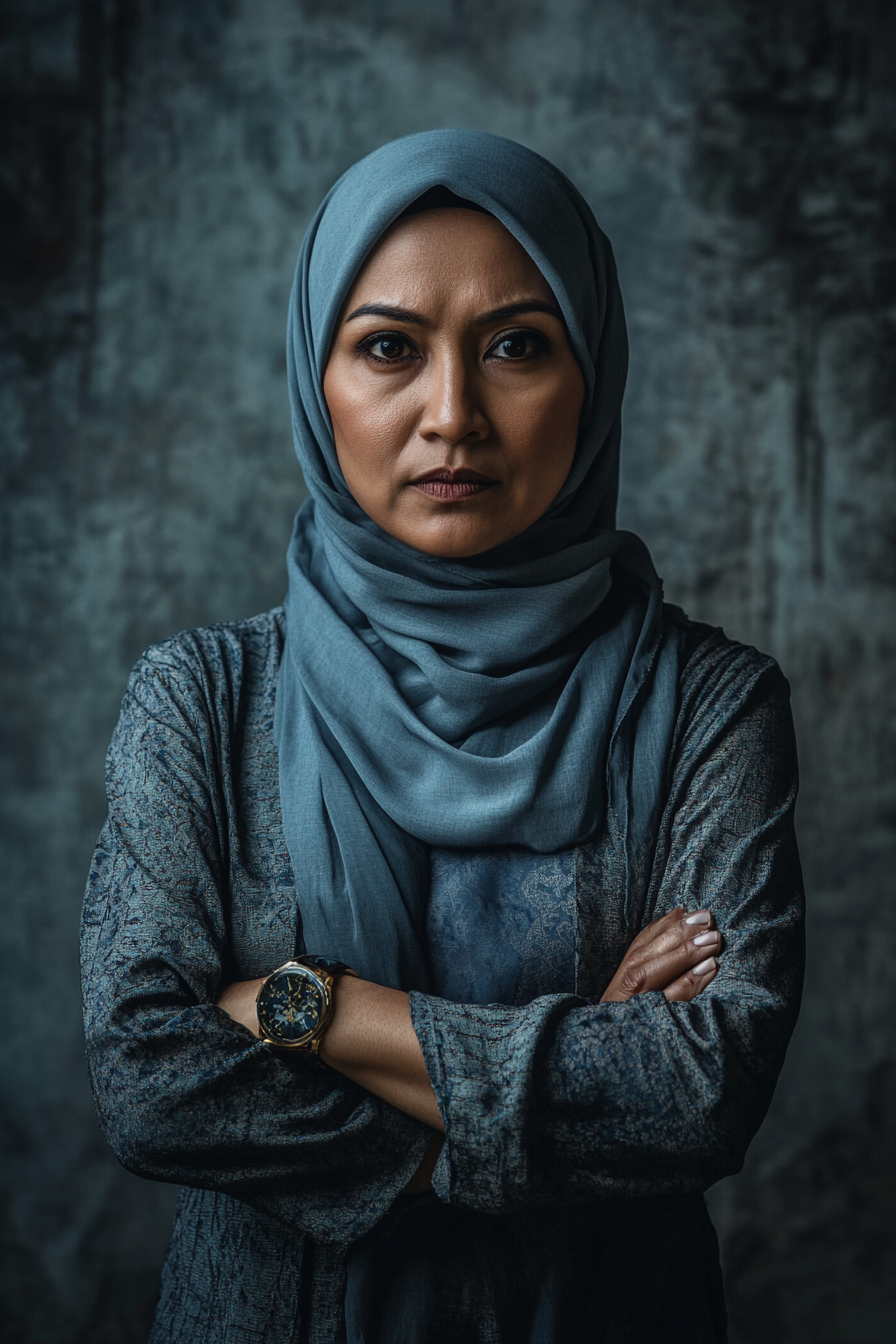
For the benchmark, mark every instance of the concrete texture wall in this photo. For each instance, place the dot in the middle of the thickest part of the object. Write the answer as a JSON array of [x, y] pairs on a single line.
[[161, 160]]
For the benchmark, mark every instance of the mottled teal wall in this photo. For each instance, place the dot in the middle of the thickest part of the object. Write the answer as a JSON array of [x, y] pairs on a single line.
[[161, 162]]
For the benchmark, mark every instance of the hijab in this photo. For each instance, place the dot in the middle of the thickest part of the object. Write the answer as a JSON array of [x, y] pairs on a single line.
[[467, 704]]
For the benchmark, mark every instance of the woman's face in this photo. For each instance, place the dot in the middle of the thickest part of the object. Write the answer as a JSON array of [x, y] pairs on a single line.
[[452, 388]]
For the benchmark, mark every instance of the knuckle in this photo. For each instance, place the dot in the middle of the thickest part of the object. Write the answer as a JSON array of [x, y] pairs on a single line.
[[633, 978]]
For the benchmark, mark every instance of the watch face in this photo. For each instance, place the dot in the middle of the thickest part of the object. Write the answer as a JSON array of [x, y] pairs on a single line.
[[291, 1005]]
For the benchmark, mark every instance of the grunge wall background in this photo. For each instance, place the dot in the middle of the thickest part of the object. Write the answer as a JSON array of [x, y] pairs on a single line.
[[160, 162]]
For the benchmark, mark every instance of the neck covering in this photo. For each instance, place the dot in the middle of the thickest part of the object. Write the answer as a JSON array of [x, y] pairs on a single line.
[[469, 704]]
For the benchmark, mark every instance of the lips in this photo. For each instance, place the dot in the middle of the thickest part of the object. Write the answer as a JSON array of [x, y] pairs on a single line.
[[461, 483]]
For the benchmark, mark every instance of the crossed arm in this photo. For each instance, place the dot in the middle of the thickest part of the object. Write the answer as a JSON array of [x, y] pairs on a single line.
[[371, 1038], [658, 1094]]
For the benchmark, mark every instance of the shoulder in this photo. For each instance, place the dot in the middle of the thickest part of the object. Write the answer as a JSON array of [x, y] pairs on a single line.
[[216, 648], [211, 670], [715, 666], [723, 684]]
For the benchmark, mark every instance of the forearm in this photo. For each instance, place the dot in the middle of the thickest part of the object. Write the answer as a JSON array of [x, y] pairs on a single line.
[[192, 1100], [187, 1095], [566, 1100], [370, 1039]]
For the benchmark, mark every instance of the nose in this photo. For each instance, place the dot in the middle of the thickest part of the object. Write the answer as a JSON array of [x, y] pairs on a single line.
[[453, 410]]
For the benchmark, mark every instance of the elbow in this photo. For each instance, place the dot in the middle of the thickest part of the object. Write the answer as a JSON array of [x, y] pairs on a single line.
[[718, 1132], [131, 1131], [131, 1109], [723, 1096], [136, 1149]]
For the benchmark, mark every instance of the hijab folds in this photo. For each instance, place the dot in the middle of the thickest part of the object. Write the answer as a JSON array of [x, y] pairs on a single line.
[[463, 704]]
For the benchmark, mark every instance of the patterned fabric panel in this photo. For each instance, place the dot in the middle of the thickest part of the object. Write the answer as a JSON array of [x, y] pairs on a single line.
[[502, 926]]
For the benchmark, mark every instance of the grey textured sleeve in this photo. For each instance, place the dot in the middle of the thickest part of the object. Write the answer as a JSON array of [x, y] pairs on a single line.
[[183, 1093], [567, 1099]]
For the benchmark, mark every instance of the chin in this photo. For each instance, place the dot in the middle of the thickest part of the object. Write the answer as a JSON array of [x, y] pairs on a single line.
[[453, 548], [450, 535]]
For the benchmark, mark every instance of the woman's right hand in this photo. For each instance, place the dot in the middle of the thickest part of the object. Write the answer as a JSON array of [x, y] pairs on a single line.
[[677, 953]]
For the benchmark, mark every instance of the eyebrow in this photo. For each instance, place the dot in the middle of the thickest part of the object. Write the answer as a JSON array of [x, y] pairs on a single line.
[[495, 315]]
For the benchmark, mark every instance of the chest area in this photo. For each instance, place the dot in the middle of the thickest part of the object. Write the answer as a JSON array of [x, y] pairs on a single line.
[[508, 926], [502, 926]]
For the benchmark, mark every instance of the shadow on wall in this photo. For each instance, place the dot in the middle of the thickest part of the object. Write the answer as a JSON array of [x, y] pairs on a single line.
[[808, 1254], [35, 1313]]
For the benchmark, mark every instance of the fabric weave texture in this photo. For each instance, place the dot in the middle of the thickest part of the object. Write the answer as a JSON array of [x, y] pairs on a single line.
[[580, 1136]]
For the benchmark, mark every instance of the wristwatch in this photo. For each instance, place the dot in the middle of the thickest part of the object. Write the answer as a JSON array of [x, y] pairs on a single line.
[[295, 1003]]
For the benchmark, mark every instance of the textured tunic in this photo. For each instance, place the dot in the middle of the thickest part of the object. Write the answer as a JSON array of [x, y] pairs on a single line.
[[579, 1136]]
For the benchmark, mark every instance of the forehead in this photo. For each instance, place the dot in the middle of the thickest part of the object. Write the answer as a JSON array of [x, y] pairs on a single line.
[[449, 252]]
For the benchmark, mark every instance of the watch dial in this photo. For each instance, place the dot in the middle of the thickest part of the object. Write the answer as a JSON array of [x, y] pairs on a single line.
[[290, 1006]]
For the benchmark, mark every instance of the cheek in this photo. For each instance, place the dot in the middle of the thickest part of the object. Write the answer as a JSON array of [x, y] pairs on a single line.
[[547, 432], [369, 426]]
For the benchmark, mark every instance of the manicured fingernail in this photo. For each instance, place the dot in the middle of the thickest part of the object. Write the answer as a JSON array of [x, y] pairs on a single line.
[[705, 967], [706, 938], [701, 917]]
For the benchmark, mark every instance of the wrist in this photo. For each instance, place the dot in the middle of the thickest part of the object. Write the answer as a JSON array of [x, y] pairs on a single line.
[[295, 1003], [238, 1002]]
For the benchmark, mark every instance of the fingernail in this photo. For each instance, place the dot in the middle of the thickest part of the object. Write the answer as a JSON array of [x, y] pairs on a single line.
[[701, 917], [706, 938], [705, 967]]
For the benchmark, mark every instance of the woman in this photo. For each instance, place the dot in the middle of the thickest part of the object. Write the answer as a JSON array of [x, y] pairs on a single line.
[[544, 819]]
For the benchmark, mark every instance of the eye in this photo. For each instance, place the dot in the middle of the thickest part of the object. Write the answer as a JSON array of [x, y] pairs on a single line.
[[387, 347], [517, 345]]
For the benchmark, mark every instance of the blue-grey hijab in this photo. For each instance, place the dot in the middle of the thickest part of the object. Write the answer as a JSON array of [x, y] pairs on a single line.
[[462, 704]]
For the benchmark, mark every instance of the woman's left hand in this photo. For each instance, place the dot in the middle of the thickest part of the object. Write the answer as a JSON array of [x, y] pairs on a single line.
[[677, 954]]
